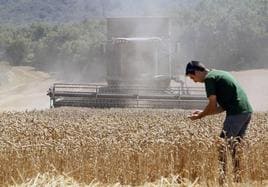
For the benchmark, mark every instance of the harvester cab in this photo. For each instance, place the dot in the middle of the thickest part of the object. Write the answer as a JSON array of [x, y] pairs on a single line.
[[139, 71]]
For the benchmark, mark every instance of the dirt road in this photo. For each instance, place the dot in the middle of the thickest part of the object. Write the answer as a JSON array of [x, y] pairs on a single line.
[[23, 88]]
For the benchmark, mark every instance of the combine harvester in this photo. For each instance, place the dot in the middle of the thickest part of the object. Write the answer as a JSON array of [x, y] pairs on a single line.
[[139, 71]]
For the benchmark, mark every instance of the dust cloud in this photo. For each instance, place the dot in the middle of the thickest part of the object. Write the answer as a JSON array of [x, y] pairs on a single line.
[[255, 84], [23, 88]]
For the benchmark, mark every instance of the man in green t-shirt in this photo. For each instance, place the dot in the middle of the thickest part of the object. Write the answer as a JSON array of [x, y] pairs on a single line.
[[224, 94]]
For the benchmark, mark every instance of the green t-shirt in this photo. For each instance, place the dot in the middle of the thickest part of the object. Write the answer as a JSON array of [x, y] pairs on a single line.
[[230, 96]]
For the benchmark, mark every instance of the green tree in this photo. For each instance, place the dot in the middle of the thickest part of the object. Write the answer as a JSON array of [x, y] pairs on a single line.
[[38, 31], [17, 52], [224, 33]]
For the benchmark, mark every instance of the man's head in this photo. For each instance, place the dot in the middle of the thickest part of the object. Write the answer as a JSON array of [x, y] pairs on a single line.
[[196, 71]]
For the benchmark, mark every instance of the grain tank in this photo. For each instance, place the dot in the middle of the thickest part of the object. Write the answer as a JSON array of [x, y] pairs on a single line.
[[137, 51]]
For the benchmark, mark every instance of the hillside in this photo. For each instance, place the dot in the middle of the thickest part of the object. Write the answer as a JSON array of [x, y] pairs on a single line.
[[27, 11], [226, 35]]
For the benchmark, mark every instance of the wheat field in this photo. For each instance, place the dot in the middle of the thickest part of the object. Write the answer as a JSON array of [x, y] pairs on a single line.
[[113, 147]]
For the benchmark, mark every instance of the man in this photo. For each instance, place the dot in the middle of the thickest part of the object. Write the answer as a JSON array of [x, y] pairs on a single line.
[[224, 94]]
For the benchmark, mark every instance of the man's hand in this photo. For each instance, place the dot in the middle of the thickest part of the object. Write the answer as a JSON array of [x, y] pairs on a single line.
[[195, 115], [210, 109]]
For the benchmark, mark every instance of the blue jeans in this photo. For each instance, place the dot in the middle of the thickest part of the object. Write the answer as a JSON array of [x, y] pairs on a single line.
[[234, 129], [235, 125]]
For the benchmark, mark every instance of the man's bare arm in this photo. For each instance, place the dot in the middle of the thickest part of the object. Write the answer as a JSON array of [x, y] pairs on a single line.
[[210, 109]]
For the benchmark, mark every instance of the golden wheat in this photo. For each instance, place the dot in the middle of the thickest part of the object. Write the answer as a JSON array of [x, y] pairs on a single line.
[[123, 146]]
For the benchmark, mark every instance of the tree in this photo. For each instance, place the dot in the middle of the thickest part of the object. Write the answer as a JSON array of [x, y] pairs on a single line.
[[17, 52], [223, 33]]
